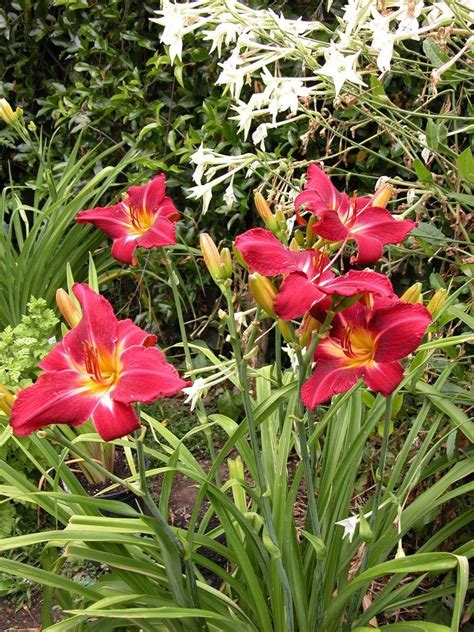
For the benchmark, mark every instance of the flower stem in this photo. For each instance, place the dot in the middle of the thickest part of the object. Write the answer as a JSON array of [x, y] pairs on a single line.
[[255, 444], [375, 508], [303, 363], [202, 414]]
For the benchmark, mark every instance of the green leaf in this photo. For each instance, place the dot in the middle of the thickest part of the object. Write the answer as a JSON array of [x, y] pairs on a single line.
[[432, 135], [465, 166], [434, 52], [423, 174], [409, 626], [457, 416], [463, 198], [429, 232], [317, 544]]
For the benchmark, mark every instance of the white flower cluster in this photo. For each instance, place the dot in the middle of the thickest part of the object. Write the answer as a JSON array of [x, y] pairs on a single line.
[[208, 164], [254, 46]]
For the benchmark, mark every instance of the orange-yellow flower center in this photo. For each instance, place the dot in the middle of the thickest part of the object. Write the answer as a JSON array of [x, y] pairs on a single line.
[[102, 370], [359, 347], [141, 219]]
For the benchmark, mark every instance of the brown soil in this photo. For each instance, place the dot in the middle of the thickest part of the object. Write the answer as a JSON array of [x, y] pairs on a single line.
[[26, 619], [121, 470]]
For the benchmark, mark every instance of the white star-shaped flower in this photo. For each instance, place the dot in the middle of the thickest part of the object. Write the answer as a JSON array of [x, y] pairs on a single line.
[[229, 195], [340, 68], [231, 75], [408, 18], [226, 32], [194, 392], [382, 39], [174, 20], [349, 525], [259, 135]]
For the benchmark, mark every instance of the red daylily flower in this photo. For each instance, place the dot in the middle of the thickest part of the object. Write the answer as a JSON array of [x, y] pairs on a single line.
[[145, 217], [309, 281], [101, 366], [365, 343], [342, 217]]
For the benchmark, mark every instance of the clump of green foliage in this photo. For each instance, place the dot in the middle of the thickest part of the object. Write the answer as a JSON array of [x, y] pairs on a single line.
[[23, 346]]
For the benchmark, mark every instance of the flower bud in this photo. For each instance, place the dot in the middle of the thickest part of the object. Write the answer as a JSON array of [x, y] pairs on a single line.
[[437, 302], [299, 238], [226, 264], [308, 325], [7, 114], [281, 221], [68, 308], [265, 213], [6, 400], [413, 294], [263, 291], [365, 531], [238, 256], [293, 245], [286, 330], [211, 255], [382, 196]]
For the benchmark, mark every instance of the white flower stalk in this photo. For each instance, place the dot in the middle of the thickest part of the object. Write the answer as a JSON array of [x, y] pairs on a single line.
[[229, 195], [350, 524], [283, 93], [208, 164], [425, 153], [179, 20], [226, 32], [408, 18], [260, 135], [355, 14], [291, 353], [382, 39], [201, 386]]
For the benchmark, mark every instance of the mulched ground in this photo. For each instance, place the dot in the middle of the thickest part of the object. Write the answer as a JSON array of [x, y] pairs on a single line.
[[26, 619]]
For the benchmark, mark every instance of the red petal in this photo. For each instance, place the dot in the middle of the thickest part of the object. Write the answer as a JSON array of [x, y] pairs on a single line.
[[328, 379], [370, 249], [358, 281], [148, 196], [329, 349], [113, 420], [55, 398], [376, 222], [111, 219], [162, 233], [128, 334], [58, 358], [384, 377], [123, 249], [98, 324], [320, 309], [146, 376], [362, 203], [297, 294], [168, 210], [264, 253], [320, 193], [353, 317], [399, 328], [330, 227]]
